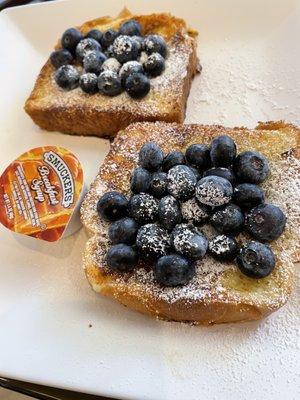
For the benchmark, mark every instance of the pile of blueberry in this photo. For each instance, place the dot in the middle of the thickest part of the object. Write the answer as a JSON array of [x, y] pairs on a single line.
[[175, 194], [112, 61]]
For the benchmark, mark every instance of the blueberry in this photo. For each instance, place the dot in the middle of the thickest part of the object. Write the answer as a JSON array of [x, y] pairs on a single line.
[[196, 172], [85, 46], [223, 248], [139, 42], [143, 208], [223, 151], [172, 159], [214, 191], [128, 69], [125, 49], [112, 206], [95, 34], [153, 241], [198, 156], [89, 83], [67, 77], [151, 156], [228, 219], [109, 52], [251, 167], [248, 195], [61, 57], [131, 28], [256, 260], [188, 242], [155, 44], [173, 270], [70, 39], [181, 182], [265, 222], [140, 180], [169, 213], [155, 64], [108, 38], [111, 64], [123, 231], [93, 61], [194, 212], [137, 86], [158, 185], [222, 172], [121, 258], [109, 83]]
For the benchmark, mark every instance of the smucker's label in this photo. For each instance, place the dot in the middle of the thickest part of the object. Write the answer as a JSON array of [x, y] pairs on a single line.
[[39, 192]]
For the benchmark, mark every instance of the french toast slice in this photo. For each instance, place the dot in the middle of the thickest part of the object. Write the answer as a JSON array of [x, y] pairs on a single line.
[[76, 112], [219, 292]]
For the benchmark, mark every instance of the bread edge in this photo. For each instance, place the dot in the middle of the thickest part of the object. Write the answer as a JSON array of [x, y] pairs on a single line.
[[200, 312], [92, 122]]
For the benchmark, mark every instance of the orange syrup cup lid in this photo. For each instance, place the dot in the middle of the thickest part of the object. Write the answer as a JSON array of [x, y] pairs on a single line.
[[40, 193]]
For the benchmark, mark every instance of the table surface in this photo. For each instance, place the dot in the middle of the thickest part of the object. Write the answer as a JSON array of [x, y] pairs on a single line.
[[9, 395]]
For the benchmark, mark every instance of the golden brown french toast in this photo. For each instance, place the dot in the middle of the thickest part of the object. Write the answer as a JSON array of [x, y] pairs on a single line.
[[76, 112], [219, 292]]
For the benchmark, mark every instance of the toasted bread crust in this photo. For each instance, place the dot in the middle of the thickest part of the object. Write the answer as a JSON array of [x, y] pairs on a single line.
[[219, 293], [134, 296], [75, 112]]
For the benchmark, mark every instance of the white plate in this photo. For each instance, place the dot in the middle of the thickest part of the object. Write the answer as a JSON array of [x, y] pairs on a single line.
[[250, 56]]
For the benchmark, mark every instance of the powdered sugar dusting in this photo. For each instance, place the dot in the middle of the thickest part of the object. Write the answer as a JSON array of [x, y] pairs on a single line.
[[143, 57], [207, 192], [183, 239], [144, 207], [122, 44], [129, 66], [111, 64], [68, 71], [88, 78], [239, 84], [220, 244], [86, 46], [199, 288], [283, 173], [282, 188], [153, 239], [192, 211], [181, 181], [180, 50], [175, 67], [149, 43], [169, 204]]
